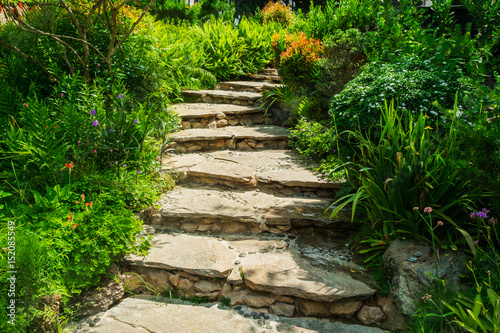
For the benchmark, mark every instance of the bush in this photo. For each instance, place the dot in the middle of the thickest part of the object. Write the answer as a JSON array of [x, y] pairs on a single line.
[[342, 60], [298, 64], [277, 12], [416, 85]]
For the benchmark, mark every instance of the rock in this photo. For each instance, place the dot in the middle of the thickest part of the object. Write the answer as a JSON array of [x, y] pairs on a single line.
[[345, 308], [202, 256], [174, 280], [395, 320], [313, 308], [235, 278], [185, 284], [286, 273], [370, 315], [108, 293], [209, 296], [284, 299], [409, 280], [220, 115], [205, 286], [258, 301], [132, 282], [222, 122], [283, 309], [186, 125]]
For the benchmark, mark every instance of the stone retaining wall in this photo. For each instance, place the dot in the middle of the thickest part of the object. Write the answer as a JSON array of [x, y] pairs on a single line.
[[148, 280], [223, 120], [240, 144]]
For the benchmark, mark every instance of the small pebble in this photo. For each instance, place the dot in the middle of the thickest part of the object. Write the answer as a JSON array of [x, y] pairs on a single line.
[[92, 324], [292, 236], [413, 259], [231, 247], [241, 312], [417, 254], [237, 262], [269, 327], [96, 319], [252, 252], [237, 307], [281, 235], [246, 315], [243, 254], [261, 314], [80, 326], [254, 314], [266, 317], [256, 317]]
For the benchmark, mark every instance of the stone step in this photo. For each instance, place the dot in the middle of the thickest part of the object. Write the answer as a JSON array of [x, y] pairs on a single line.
[[206, 115], [269, 71], [229, 137], [253, 86], [143, 313], [210, 210], [223, 96], [281, 172], [269, 274], [265, 77]]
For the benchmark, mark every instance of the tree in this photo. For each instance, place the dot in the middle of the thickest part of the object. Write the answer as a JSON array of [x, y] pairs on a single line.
[[85, 19]]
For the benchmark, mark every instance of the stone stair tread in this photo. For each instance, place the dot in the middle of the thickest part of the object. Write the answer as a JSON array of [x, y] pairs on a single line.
[[285, 272], [261, 77], [242, 85], [244, 206], [155, 314], [259, 132], [240, 95], [284, 167], [202, 110]]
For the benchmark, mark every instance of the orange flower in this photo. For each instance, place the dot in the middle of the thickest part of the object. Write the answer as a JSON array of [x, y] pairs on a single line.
[[77, 202], [70, 217], [83, 197], [74, 226], [69, 166]]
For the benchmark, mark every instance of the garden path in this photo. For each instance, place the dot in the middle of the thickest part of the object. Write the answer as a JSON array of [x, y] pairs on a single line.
[[248, 227]]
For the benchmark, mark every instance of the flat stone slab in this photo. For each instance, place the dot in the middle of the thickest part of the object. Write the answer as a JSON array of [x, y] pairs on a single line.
[[202, 110], [263, 132], [238, 95], [193, 254], [156, 315], [260, 77], [247, 85], [244, 206], [284, 167], [288, 274]]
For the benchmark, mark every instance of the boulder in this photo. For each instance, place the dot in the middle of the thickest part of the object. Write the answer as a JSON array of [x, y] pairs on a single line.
[[411, 279], [101, 298], [370, 315]]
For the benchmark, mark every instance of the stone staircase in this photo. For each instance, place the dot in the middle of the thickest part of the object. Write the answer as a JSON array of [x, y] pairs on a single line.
[[248, 225]]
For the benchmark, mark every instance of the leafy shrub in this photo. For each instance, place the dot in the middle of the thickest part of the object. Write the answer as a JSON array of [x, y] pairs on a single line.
[[277, 12], [322, 21], [176, 11], [298, 63], [218, 9], [258, 41], [343, 57], [416, 85]]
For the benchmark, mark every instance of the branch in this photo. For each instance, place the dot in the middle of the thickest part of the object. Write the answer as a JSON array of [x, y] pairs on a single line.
[[27, 57], [120, 42]]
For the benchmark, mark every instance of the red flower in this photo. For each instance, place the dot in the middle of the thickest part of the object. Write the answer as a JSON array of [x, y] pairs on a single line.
[[70, 165], [70, 217]]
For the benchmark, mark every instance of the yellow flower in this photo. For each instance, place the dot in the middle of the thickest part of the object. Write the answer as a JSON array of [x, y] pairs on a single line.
[[428, 127]]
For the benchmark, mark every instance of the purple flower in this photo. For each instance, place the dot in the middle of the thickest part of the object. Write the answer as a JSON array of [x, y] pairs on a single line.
[[481, 215], [427, 210], [120, 96], [95, 123], [136, 121], [92, 112], [124, 165], [473, 215], [111, 130], [475, 242], [138, 171]]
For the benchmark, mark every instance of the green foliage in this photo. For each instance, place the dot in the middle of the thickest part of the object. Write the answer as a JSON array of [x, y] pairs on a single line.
[[176, 11], [277, 12], [343, 57], [218, 9], [416, 85], [322, 21], [403, 170]]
